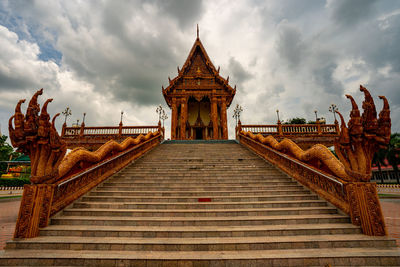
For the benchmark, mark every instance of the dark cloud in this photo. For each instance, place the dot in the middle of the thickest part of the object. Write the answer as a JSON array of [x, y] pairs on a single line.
[[349, 13], [237, 72], [323, 74], [185, 12], [290, 45]]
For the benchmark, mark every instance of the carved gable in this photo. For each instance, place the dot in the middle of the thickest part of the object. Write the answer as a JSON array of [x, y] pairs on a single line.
[[198, 66]]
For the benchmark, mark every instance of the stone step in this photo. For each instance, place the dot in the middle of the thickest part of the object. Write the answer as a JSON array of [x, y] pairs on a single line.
[[199, 212], [244, 258], [203, 172], [201, 243], [215, 188], [200, 205], [198, 184], [242, 198], [200, 221], [126, 181], [222, 176], [199, 231], [99, 192]]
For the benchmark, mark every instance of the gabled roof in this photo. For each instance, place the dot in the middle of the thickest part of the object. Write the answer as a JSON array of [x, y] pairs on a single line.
[[215, 72]]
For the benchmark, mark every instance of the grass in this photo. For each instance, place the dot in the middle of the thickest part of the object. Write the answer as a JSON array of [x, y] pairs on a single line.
[[9, 197]]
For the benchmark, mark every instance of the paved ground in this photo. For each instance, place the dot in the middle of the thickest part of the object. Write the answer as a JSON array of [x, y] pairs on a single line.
[[8, 216], [9, 211], [391, 211]]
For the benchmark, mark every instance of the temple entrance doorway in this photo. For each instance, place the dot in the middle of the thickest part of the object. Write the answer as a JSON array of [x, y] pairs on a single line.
[[199, 126], [199, 133]]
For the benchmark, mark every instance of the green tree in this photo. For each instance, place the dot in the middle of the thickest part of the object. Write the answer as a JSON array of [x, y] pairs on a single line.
[[393, 153], [6, 150], [296, 121]]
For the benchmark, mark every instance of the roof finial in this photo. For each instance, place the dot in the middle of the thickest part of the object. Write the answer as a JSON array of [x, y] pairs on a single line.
[[197, 31]]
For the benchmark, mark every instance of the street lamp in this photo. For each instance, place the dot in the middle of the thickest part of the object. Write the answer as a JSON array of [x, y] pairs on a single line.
[[236, 113], [316, 115], [277, 114], [159, 111], [164, 116], [333, 108], [84, 115], [122, 114], [67, 112]]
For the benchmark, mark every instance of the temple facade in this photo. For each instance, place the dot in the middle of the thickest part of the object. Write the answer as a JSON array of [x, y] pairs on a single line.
[[199, 98]]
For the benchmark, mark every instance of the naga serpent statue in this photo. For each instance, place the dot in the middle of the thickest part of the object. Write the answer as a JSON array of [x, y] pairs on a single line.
[[355, 147], [37, 137]]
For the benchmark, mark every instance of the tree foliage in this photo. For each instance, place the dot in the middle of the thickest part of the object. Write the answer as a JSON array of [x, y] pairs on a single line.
[[6, 150], [296, 121]]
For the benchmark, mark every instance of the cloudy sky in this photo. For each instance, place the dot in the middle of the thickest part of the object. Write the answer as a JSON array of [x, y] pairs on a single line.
[[101, 57]]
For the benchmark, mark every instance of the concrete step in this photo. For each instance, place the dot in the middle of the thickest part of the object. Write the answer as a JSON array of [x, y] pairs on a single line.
[[199, 231], [147, 180], [201, 243], [199, 221], [244, 258], [204, 187], [199, 212], [199, 184], [200, 205], [199, 193], [242, 198]]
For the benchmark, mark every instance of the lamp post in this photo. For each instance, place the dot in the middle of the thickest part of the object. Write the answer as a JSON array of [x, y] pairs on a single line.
[[164, 116], [122, 114], [236, 113], [316, 115], [84, 115], [333, 108], [159, 111], [67, 112], [277, 114]]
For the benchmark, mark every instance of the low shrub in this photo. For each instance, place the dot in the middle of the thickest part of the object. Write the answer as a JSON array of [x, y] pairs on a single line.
[[14, 182]]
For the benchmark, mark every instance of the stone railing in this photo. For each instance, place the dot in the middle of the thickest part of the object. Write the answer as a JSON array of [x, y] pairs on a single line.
[[389, 188], [92, 138], [107, 131], [57, 180], [344, 182], [293, 129], [12, 190]]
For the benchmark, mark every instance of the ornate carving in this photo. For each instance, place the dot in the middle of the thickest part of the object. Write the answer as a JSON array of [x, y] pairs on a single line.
[[365, 208], [34, 210], [35, 136], [82, 157], [362, 137], [316, 152]]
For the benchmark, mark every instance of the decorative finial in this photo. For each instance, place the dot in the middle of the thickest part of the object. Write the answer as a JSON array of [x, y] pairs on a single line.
[[197, 31]]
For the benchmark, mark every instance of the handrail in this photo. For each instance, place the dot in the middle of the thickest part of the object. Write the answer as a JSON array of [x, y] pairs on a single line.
[[99, 165], [329, 177], [74, 186], [327, 186]]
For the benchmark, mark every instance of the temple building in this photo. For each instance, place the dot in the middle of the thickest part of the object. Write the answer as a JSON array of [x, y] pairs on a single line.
[[199, 98]]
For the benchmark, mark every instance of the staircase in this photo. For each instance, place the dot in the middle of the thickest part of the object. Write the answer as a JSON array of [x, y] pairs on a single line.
[[201, 204]]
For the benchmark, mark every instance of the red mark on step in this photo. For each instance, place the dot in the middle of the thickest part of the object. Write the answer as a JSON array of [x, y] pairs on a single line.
[[204, 199]]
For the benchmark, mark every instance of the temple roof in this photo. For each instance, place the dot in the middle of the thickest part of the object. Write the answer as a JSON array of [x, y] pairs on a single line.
[[212, 72]]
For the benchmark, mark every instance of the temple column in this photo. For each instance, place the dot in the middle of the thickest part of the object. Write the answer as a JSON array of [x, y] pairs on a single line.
[[224, 119], [183, 118], [214, 117], [174, 119]]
